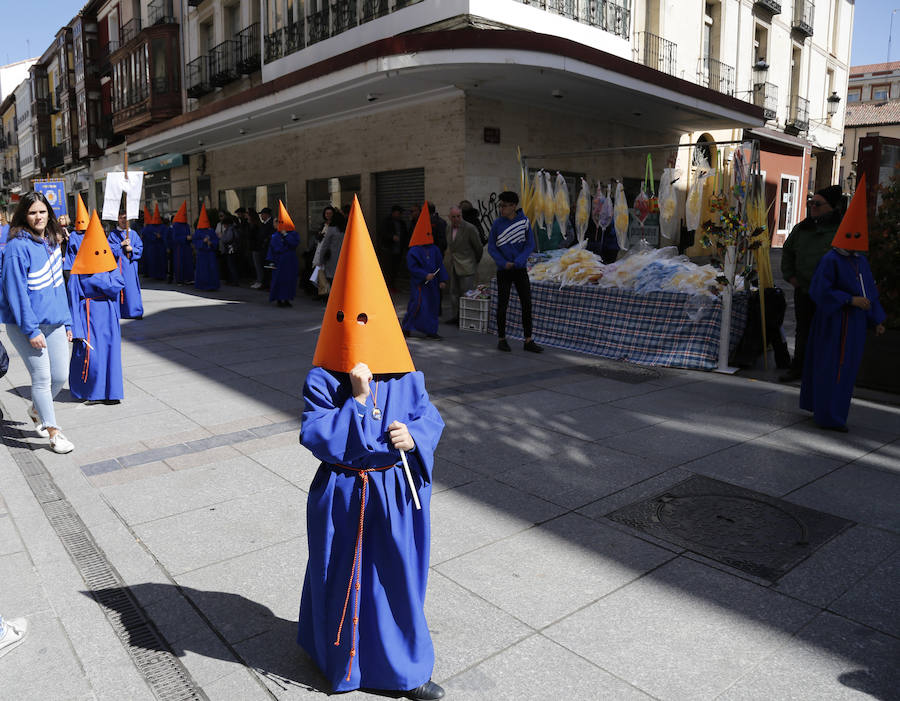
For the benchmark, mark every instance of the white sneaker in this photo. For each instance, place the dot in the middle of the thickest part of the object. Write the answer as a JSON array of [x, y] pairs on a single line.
[[60, 444], [36, 420], [14, 632]]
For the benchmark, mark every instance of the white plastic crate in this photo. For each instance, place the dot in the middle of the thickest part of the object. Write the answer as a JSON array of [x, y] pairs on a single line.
[[473, 314]]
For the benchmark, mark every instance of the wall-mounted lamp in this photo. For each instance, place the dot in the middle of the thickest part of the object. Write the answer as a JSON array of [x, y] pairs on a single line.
[[372, 96], [558, 94], [242, 131], [833, 101], [295, 117]]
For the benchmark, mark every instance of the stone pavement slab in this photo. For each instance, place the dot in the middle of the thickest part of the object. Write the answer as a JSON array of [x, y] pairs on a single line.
[[684, 631]]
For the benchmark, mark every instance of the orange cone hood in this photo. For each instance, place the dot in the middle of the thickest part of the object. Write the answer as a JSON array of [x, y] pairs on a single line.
[[203, 219], [853, 233], [422, 235], [156, 218], [285, 223], [94, 254], [81, 214], [181, 215], [360, 324], [148, 218]]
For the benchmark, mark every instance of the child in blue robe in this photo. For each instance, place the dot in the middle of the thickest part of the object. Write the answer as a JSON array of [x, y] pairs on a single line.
[[846, 305], [206, 244], [127, 248], [362, 617], [95, 369], [283, 253], [427, 276]]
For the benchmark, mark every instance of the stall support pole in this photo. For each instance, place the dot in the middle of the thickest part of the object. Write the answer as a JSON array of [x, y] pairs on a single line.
[[725, 326]]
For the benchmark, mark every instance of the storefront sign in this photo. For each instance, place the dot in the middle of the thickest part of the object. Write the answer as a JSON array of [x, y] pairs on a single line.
[[164, 162]]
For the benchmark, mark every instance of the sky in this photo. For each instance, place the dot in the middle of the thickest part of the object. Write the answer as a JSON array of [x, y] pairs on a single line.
[[28, 28]]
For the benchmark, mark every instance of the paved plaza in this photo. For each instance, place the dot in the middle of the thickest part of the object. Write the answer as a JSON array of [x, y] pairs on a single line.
[[164, 557]]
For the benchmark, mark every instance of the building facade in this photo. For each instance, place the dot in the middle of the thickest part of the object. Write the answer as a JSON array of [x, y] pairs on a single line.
[[243, 102]]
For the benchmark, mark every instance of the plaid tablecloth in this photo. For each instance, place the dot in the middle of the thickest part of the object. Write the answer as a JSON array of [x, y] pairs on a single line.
[[659, 328]]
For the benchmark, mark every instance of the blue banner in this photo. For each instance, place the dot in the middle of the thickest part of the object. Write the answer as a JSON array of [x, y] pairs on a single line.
[[55, 192]]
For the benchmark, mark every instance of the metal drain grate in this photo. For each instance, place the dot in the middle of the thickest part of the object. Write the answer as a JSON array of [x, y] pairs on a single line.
[[749, 531], [163, 671]]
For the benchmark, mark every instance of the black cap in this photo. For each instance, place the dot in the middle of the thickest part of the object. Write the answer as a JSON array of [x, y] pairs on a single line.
[[832, 195], [265, 210]]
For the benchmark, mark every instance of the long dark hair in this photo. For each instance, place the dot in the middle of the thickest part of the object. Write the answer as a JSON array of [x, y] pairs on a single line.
[[18, 226]]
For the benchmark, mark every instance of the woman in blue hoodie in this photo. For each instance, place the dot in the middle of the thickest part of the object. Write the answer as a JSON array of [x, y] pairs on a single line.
[[34, 307]]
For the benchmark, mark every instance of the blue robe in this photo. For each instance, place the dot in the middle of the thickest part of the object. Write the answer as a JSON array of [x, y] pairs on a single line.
[[837, 337], [75, 239], [154, 251], [96, 372], [283, 252], [393, 648], [130, 302], [206, 276], [182, 253], [424, 296]]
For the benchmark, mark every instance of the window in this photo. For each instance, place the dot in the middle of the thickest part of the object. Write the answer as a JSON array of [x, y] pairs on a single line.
[[328, 191], [881, 92], [854, 95], [256, 197]]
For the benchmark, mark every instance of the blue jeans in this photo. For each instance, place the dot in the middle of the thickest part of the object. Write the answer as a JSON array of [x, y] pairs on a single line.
[[48, 367]]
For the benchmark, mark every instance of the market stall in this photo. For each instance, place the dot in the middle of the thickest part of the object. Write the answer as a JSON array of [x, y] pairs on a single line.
[[669, 329]]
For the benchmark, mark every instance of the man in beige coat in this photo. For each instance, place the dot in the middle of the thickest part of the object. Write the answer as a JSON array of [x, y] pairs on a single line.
[[464, 250]]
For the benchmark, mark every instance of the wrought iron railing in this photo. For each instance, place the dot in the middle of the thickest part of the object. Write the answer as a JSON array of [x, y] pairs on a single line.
[[318, 26], [223, 63], [804, 12], [197, 77], [130, 30], [773, 6], [274, 45], [248, 49], [798, 116], [655, 52], [294, 38], [343, 16], [717, 75], [765, 95], [160, 12], [372, 9]]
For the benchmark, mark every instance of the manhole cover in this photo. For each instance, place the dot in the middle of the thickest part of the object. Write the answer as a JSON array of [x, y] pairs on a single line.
[[749, 531]]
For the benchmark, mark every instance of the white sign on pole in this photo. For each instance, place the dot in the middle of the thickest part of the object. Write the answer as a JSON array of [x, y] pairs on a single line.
[[116, 184]]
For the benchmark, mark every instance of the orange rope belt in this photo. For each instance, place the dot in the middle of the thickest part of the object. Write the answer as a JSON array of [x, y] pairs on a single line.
[[357, 563], [87, 345]]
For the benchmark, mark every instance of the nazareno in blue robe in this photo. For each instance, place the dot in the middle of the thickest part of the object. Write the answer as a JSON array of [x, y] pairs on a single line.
[[283, 252], [424, 296], [96, 372], [75, 239], [154, 251], [837, 336], [206, 275], [130, 302], [182, 253], [392, 644]]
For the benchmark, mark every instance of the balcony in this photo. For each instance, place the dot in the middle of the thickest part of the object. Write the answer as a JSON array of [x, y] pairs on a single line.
[[129, 31], [716, 75], [54, 156], [223, 63], [798, 116], [373, 9], [773, 6], [160, 12], [318, 26], [655, 52], [274, 45], [804, 11], [608, 15], [196, 76], [765, 95], [343, 16], [248, 50], [294, 38]]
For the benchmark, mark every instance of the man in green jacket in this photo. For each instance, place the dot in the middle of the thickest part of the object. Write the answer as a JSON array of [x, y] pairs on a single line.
[[804, 248]]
